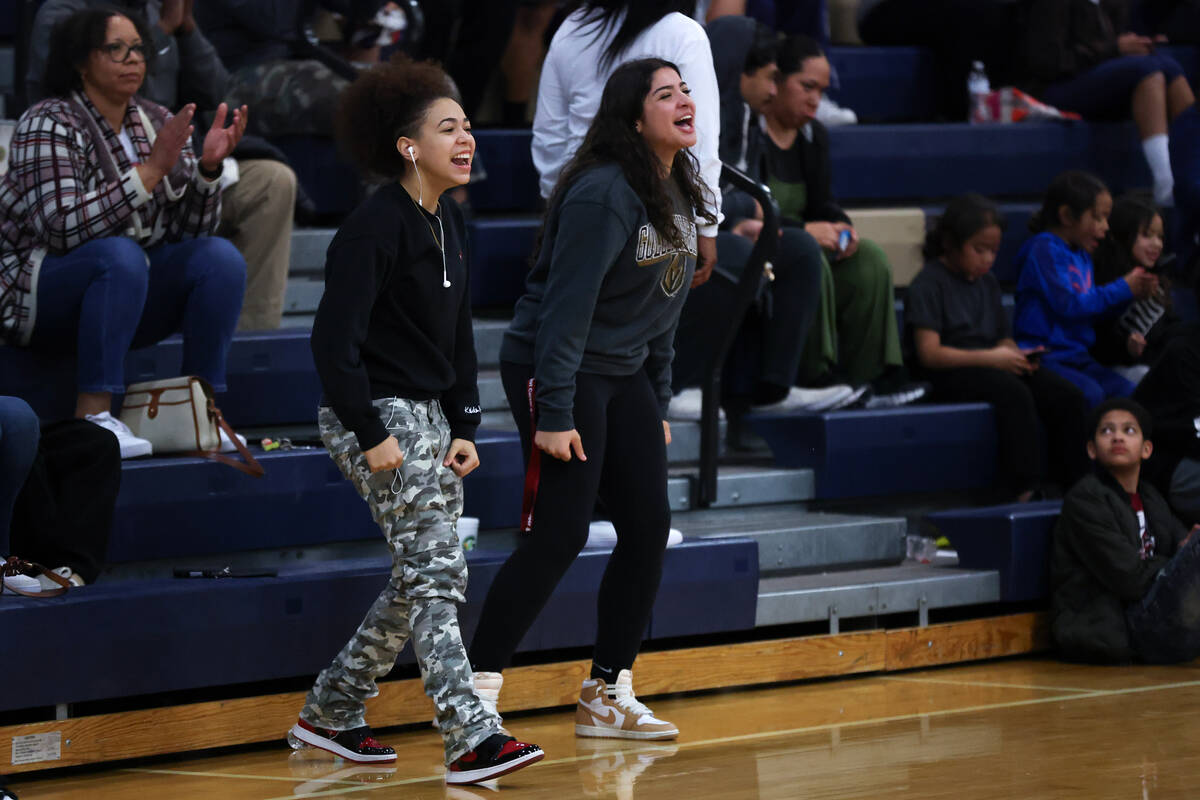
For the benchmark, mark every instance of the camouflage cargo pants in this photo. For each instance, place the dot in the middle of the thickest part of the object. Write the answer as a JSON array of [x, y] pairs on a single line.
[[418, 507], [289, 97]]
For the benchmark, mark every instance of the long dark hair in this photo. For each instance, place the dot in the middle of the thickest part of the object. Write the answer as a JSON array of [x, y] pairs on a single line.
[[1131, 215], [965, 216], [1075, 189], [74, 38], [638, 16], [614, 139]]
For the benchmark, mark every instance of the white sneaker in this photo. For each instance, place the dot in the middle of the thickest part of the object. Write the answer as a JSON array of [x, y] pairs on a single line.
[[809, 399], [71, 575], [602, 533], [131, 446], [227, 446], [831, 115], [855, 397], [22, 583], [686, 406], [611, 711]]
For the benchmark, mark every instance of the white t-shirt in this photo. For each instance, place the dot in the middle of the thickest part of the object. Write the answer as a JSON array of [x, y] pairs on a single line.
[[127, 143], [572, 82]]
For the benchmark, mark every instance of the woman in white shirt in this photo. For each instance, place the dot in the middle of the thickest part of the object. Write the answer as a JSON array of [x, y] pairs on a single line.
[[596, 38]]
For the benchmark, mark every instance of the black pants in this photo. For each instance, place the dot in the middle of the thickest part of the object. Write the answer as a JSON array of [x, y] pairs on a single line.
[[794, 296], [619, 423], [1025, 407], [64, 514]]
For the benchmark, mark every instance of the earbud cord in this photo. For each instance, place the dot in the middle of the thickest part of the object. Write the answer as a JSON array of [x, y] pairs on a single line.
[[441, 243]]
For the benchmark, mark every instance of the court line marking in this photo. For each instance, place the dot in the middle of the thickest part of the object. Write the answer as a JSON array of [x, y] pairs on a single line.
[[945, 712], [949, 682], [241, 776]]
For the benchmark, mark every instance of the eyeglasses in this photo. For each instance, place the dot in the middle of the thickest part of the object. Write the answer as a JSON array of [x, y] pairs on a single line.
[[119, 52]]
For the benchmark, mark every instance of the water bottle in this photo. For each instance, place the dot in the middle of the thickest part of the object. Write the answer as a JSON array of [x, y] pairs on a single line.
[[977, 90]]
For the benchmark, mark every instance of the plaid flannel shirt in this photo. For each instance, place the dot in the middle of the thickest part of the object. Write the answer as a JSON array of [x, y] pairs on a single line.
[[60, 192]]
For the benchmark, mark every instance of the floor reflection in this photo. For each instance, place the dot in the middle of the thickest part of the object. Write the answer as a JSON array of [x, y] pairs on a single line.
[[613, 767]]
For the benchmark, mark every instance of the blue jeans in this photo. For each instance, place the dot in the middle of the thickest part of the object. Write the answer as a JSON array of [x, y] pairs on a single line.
[[1104, 92], [1165, 624], [19, 434], [1096, 381], [109, 296]]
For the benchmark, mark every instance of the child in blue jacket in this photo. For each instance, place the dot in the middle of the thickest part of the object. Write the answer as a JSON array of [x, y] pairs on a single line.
[[1057, 299]]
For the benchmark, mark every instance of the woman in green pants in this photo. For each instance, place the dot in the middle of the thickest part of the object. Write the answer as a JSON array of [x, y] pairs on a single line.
[[855, 336]]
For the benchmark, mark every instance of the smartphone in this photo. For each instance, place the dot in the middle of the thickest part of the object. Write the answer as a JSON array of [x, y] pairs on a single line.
[[1035, 357], [227, 572], [844, 241]]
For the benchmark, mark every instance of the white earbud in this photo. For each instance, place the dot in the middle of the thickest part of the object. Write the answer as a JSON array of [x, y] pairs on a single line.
[[421, 197], [420, 183]]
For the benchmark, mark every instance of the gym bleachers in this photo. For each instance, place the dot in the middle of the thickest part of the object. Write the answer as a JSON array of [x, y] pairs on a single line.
[[1012, 539], [768, 555], [144, 637]]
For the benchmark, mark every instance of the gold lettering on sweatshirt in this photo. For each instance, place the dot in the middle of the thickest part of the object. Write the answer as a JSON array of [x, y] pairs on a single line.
[[655, 250]]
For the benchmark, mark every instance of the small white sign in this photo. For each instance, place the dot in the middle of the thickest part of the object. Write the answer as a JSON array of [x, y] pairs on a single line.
[[37, 747]]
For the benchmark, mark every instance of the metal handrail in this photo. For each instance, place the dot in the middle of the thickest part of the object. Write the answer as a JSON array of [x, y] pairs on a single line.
[[757, 269]]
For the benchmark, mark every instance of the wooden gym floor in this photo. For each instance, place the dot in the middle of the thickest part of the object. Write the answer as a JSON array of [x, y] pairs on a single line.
[[1029, 728]]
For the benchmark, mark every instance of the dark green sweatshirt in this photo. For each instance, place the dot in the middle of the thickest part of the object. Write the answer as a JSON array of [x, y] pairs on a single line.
[[604, 295]]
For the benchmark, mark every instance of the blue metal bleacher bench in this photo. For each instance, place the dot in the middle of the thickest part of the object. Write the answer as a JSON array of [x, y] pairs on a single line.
[[886, 451], [1013, 539], [141, 637]]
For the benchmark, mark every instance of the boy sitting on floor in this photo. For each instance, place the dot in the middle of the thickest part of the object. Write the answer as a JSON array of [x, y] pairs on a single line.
[[1125, 571]]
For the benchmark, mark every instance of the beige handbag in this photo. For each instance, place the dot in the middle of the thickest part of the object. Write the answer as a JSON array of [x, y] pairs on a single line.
[[178, 415]]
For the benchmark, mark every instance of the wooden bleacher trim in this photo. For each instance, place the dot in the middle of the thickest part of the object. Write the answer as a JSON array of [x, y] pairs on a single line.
[[224, 723]]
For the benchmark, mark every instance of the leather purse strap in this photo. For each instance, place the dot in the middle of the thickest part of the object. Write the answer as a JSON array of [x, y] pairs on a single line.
[[15, 566], [249, 465]]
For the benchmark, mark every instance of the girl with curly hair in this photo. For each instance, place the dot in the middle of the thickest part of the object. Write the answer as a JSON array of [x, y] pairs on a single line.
[[393, 346], [586, 365]]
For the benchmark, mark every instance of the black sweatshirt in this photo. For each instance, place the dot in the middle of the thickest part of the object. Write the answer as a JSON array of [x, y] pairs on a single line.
[[604, 296], [386, 326], [1096, 568]]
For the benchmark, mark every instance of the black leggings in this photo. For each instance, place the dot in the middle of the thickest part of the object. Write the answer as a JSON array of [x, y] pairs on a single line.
[[618, 420], [1025, 407]]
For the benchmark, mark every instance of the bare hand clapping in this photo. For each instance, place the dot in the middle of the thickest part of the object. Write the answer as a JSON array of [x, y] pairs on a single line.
[[220, 141]]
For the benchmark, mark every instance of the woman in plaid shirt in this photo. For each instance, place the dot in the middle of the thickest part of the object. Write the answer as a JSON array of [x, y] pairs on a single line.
[[106, 221]]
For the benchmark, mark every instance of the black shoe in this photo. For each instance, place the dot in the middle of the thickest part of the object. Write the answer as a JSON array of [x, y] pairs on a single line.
[[497, 755], [356, 744], [7, 794], [894, 388]]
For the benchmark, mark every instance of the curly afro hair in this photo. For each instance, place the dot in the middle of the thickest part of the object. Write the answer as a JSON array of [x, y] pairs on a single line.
[[384, 103]]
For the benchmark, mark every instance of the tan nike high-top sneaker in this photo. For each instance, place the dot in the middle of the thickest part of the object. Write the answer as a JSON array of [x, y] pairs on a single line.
[[612, 712]]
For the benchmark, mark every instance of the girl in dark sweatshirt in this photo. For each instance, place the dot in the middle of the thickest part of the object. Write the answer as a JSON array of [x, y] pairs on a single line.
[[394, 350], [586, 365]]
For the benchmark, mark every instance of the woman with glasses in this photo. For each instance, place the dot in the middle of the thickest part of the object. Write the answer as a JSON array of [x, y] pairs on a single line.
[[106, 221]]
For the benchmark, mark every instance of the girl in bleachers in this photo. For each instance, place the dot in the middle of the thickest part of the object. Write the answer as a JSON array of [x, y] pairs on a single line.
[[1058, 300], [965, 348], [393, 346], [1136, 337], [586, 365]]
